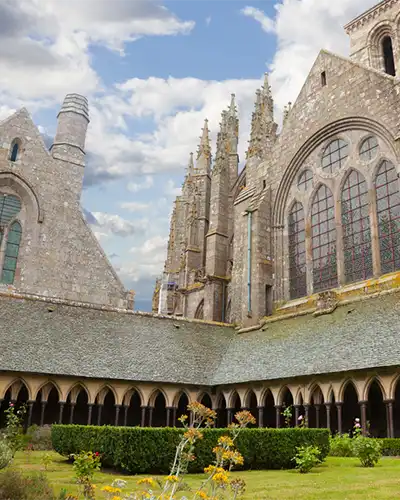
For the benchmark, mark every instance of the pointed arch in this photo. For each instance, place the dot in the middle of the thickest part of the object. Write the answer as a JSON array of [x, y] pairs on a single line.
[[15, 149], [75, 389], [49, 384], [369, 382], [199, 314], [323, 240], [102, 393], [388, 214], [16, 386], [357, 244], [155, 393], [234, 400], [126, 398], [297, 251]]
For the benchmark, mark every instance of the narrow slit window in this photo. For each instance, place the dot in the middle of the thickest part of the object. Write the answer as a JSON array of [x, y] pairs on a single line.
[[14, 152], [323, 78], [388, 56]]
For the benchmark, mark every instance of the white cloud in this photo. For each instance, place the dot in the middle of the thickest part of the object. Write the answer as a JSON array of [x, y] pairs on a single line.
[[148, 259], [267, 24], [147, 183], [172, 190], [112, 224], [134, 206]]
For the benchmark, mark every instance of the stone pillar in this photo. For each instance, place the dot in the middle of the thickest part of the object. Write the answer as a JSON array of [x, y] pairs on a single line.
[[99, 411], [71, 415], [30, 409], [260, 416], [169, 410], [278, 416], [389, 417], [317, 415], [229, 413], [117, 409], [339, 407], [191, 418], [126, 408], [306, 415], [296, 415], [174, 417], [328, 415], [61, 411], [90, 410], [42, 410], [363, 408], [143, 417], [151, 408]]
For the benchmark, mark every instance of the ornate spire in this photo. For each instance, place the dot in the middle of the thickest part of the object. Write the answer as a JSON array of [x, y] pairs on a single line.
[[203, 163], [190, 167], [263, 127], [232, 107]]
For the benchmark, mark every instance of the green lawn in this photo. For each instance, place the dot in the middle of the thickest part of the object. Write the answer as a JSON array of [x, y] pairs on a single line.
[[336, 479]]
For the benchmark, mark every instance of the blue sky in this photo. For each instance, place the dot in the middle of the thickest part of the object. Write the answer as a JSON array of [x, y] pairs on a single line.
[[152, 72]]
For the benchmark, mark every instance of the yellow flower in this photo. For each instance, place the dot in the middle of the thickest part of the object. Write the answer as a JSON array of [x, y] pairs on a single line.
[[172, 479], [202, 494], [116, 498], [221, 478], [225, 441], [149, 481]]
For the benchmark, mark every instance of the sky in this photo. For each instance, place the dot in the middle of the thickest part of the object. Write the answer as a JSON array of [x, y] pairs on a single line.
[[153, 70]]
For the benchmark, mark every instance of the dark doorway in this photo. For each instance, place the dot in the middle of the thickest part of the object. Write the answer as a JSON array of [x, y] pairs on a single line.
[[268, 300], [221, 412], [159, 411], [182, 410], [351, 409], [376, 411], [134, 410], [269, 410]]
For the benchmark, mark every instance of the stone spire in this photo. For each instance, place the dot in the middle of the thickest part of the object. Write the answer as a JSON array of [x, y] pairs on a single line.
[[203, 163], [220, 153], [263, 127], [190, 167]]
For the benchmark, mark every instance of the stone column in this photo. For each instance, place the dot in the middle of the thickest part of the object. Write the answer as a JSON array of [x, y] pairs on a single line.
[[306, 415], [143, 417], [389, 417], [260, 416], [328, 415], [339, 407], [174, 417], [151, 408], [296, 415], [90, 410], [278, 416], [229, 413], [363, 408], [169, 413], [99, 411], [317, 414], [117, 409], [191, 418], [71, 415], [126, 408], [61, 411], [42, 410], [30, 409]]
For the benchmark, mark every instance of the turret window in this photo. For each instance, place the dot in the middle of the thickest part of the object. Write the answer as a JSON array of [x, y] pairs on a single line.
[[388, 56]]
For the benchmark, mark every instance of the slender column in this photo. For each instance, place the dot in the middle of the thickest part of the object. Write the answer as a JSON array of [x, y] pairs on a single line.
[[328, 415], [229, 412], [363, 408], [339, 407], [317, 415], [126, 408], [191, 417], [117, 409], [71, 415], [306, 415], [61, 411], [99, 411], [90, 411], [278, 416], [42, 410], [30, 409], [170, 413], [174, 417], [143, 417], [151, 408], [389, 417], [296, 415], [260, 416]]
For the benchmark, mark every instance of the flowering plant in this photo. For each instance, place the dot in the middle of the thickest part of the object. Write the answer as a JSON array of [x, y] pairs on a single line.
[[357, 428], [287, 415], [85, 465], [14, 429]]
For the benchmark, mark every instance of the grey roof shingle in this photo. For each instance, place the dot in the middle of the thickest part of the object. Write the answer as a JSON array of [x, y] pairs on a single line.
[[91, 343]]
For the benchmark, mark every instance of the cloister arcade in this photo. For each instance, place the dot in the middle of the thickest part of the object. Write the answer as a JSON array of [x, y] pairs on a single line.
[[334, 405]]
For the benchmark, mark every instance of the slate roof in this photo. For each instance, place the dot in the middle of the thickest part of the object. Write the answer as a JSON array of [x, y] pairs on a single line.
[[91, 343]]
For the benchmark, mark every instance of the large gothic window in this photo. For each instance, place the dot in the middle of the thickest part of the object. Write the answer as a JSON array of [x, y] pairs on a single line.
[[323, 234], [388, 210], [10, 236], [297, 252], [356, 228]]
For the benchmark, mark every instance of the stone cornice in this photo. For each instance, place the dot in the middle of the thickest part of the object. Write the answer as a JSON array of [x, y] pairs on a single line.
[[370, 14]]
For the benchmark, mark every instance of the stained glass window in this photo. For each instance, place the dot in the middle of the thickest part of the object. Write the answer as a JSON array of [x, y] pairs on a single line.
[[9, 207], [11, 253], [388, 211], [305, 180], [297, 252], [323, 234], [356, 229], [335, 155], [369, 149]]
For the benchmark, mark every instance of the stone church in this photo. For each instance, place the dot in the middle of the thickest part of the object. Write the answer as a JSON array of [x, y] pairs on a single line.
[[281, 285]]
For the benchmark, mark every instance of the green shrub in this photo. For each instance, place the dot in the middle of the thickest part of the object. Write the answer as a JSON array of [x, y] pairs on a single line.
[[390, 447], [6, 454], [17, 486], [367, 450], [151, 451], [307, 457], [341, 446], [39, 438]]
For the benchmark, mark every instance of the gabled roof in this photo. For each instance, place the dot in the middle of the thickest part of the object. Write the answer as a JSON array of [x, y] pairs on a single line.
[[40, 337]]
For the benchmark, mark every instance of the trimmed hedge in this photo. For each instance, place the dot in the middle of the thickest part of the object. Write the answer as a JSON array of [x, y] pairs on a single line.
[[151, 450], [390, 447]]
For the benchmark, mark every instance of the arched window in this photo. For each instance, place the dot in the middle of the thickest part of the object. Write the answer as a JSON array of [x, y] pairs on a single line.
[[356, 229], [14, 152], [11, 253], [297, 252], [305, 180], [199, 314], [388, 211], [323, 237], [388, 57]]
